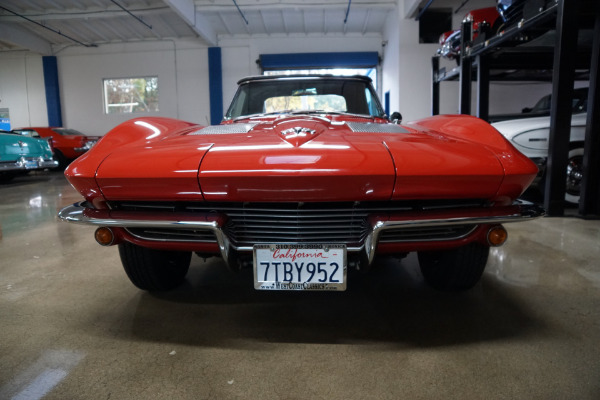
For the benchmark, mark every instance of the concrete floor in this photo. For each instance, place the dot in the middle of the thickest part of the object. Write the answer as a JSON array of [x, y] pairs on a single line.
[[73, 327]]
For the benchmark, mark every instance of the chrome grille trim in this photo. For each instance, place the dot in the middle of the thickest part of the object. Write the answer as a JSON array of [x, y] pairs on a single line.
[[84, 213], [265, 223], [426, 234], [173, 235]]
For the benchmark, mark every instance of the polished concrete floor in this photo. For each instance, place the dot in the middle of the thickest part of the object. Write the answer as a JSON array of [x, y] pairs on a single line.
[[73, 327]]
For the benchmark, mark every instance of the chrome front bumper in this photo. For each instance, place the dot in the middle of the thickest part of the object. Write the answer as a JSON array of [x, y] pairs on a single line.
[[27, 164], [519, 211]]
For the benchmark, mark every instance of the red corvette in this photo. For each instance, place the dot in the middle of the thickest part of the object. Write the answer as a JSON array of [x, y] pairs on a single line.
[[67, 144], [305, 178]]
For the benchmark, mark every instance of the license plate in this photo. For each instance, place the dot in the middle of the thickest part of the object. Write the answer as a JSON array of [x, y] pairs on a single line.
[[300, 267], [31, 164]]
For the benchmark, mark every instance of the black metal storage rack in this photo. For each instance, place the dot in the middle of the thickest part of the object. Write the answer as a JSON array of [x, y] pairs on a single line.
[[492, 57]]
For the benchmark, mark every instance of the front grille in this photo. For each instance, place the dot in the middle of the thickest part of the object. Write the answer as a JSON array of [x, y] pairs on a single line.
[[248, 224], [425, 233], [174, 235]]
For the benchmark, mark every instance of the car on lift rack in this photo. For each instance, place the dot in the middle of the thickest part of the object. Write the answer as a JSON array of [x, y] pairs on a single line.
[[514, 11], [67, 144], [19, 155], [450, 41], [305, 178], [530, 135]]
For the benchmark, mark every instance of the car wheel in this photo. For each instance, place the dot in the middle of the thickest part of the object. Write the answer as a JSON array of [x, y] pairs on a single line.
[[456, 269], [62, 160], [574, 175], [6, 177], [154, 270]]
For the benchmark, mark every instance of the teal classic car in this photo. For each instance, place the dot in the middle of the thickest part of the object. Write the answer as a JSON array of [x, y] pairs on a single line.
[[20, 154]]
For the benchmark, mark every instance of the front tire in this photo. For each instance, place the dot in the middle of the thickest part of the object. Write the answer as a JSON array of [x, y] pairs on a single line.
[[63, 162], [154, 270], [574, 175], [456, 269]]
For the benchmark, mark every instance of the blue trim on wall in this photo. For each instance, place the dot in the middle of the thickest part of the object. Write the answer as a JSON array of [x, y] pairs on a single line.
[[359, 59], [215, 85], [52, 91]]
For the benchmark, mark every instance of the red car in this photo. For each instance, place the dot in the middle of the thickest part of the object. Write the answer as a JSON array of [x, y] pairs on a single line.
[[305, 178], [67, 144], [450, 41]]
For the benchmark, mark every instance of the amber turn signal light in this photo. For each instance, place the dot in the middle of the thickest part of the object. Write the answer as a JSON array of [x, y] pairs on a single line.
[[497, 235], [104, 236]]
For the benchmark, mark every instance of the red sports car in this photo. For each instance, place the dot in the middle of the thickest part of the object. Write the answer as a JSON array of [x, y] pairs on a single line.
[[305, 178], [450, 41], [67, 144]]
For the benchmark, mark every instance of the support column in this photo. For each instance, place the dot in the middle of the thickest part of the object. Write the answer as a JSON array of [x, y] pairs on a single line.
[[483, 87], [590, 186], [466, 70], [563, 78], [215, 85], [435, 86], [52, 91]]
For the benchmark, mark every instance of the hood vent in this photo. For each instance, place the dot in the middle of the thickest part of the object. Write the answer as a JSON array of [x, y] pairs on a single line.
[[375, 128], [224, 129]]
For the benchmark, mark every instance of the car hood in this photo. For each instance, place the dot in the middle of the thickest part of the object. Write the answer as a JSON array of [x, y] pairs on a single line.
[[301, 158]]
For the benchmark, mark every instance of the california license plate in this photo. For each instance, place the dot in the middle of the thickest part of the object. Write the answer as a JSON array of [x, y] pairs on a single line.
[[300, 267]]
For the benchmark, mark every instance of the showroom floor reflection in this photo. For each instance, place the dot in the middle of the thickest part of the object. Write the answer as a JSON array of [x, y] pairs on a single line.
[[73, 326]]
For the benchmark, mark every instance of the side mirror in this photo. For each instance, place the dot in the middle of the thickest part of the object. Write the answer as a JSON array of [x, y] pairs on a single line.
[[396, 117], [527, 110]]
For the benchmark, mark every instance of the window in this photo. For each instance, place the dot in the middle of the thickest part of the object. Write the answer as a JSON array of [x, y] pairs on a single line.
[[306, 102], [327, 94], [130, 95]]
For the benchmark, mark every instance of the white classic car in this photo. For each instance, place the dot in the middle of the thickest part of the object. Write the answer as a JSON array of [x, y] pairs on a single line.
[[530, 136]]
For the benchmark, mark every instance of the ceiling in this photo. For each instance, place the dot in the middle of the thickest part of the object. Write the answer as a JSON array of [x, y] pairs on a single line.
[[47, 26]]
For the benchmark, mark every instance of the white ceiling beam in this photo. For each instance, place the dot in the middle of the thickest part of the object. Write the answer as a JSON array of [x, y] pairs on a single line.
[[411, 8], [186, 9], [18, 36], [88, 14], [293, 3]]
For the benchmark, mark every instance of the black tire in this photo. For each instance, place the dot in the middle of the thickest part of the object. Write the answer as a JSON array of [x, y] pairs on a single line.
[[456, 269], [154, 270], [63, 162], [6, 177], [574, 174]]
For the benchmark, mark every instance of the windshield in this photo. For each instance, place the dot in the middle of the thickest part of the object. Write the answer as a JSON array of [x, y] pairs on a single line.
[[305, 95], [67, 132]]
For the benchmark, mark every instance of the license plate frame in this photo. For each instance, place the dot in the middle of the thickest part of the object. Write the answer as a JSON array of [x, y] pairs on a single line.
[[290, 264]]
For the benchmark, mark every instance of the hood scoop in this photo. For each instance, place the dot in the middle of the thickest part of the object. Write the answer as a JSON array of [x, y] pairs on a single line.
[[299, 131], [375, 128]]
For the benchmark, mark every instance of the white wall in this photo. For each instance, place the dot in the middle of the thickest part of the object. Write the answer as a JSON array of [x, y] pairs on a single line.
[[181, 67], [182, 70], [239, 55], [22, 89], [407, 74]]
